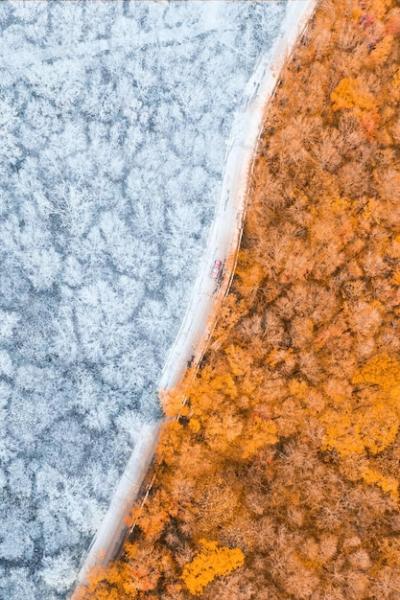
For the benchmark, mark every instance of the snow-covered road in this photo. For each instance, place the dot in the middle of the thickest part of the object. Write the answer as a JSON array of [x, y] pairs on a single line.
[[223, 243]]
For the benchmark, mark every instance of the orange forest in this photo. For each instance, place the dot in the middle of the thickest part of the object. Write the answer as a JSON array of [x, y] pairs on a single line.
[[279, 476]]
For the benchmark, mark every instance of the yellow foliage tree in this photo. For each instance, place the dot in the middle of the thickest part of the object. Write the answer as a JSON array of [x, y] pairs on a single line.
[[213, 561], [373, 425], [389, 485], [348, 95], [259, 433]]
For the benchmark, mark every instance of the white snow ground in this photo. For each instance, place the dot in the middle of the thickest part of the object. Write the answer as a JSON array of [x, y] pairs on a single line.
[[113, 121]]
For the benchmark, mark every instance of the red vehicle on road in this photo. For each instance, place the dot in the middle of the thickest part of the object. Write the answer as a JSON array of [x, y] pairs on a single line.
[[217, 269]]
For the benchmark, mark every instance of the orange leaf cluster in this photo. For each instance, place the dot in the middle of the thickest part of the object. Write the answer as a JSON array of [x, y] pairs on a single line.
[[212, 561]]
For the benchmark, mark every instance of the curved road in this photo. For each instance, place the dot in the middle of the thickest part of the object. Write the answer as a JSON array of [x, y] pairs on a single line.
[[213, 280]]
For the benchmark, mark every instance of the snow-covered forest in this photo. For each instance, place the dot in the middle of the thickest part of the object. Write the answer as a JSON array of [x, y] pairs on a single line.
[[114, 118]]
